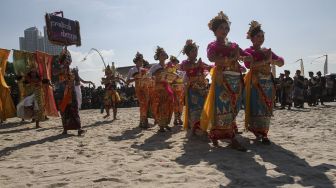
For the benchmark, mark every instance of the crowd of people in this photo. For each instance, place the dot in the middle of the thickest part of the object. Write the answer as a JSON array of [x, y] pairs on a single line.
[[93, 98], [297, 90], [178, 88]]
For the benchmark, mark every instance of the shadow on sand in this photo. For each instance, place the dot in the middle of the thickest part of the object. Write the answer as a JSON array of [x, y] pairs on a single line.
[[243, 170], [8, 150], [158, 141], [10, 125], [99, 123], [128, 134]]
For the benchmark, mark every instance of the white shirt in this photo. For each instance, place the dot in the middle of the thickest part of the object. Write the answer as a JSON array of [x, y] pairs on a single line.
[[131, 72], [154, 68]]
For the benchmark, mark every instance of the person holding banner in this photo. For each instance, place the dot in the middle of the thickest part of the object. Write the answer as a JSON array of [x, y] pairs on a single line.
[[138, 74], [163, 95], [69, 104], [178, 89], [259, 84], [225, 95], [196, 86]]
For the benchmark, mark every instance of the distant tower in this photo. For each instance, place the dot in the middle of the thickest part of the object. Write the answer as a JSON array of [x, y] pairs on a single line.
[[30, 40], [33, 40]]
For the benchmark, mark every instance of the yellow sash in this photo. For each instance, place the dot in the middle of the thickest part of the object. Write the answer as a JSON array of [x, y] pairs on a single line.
[[248, 82], [186, 110], [207, 116]]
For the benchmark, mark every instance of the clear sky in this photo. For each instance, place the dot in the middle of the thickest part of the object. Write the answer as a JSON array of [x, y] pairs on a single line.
[[119, 28]]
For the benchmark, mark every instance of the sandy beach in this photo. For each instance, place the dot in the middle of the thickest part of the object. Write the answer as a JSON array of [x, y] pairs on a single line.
[[119, 154]]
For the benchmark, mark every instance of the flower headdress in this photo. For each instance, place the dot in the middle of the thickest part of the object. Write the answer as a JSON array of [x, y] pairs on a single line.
[[146, 64], [65, 57], [138, 56], [173, 59], [190, 45], [108, 71], [255, 27], [159, 50], [218, 20]]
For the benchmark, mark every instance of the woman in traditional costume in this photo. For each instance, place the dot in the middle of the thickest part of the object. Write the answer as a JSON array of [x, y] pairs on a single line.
[[178, 89], [259, 85], [196, 88], [34, 89], [31, 105], [225, 95], [163, 95], [138, 74], [69, 104]]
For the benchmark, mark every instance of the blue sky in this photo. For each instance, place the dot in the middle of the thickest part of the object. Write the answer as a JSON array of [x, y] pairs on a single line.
[[119, 28]]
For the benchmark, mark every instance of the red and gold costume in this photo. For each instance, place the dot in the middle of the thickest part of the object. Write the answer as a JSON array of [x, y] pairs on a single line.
[[111, 96], [69, 104], [138, 74], [32, 103], [178, 89], [162, 94]]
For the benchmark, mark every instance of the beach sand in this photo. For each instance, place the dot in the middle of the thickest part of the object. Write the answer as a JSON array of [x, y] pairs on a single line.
[[119, 154]]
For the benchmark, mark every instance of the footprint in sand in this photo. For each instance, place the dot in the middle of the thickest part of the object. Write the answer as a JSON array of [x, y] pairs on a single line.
[[108, 179], [57, 185]]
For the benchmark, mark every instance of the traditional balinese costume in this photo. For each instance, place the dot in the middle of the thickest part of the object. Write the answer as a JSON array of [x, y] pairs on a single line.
[[178, 89], [163, 96], [34, 88], [225, 95], [196, 88], [111, 96], [259, 87], [69, 104], [32, 105], [142, 81]]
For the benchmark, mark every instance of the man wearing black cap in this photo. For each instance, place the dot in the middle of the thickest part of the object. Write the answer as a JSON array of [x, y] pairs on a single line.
[[279, 85], [321, 89], [312, 89], [287, 91], [298, 91]]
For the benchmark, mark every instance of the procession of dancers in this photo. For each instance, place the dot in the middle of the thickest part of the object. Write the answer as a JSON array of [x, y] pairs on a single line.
[[166, 91]]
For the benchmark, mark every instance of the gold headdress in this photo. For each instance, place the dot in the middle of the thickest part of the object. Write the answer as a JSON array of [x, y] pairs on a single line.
[[146, 64], [190, 45], [218, 20], [138, 56], [255, 27], [65, 57], [108, 71], [159, 50], [173, 59]]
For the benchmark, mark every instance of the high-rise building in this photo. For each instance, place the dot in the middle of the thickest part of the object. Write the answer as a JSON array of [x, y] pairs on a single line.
[[48, 47], [33, 40]]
